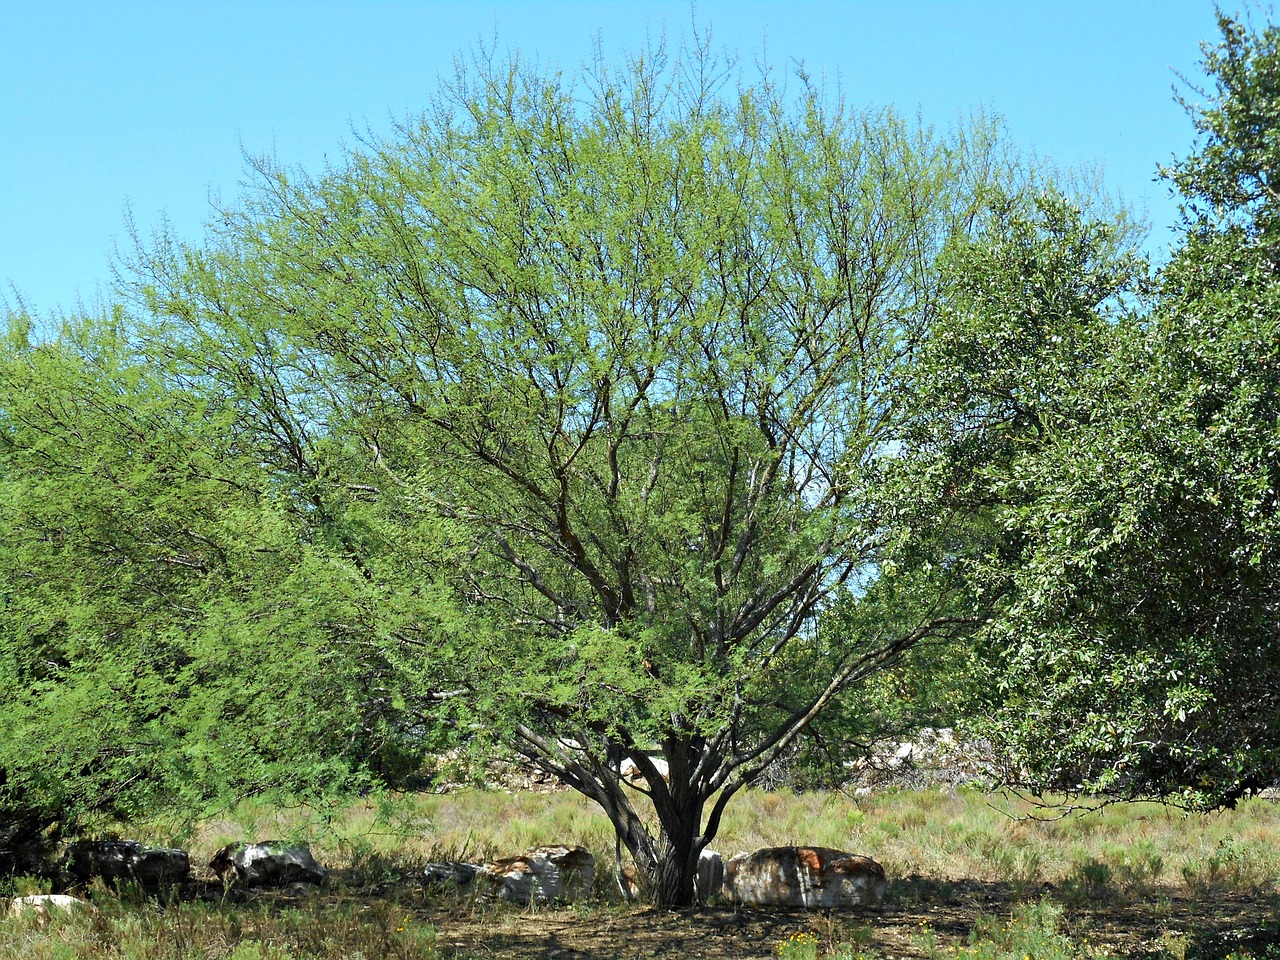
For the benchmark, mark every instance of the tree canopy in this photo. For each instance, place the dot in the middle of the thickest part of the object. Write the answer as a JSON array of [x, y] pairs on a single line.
[[634, 347], [1123, 437], [169, 627]]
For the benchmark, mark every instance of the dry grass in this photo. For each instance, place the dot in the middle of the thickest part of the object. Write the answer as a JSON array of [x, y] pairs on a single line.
[[1124, 880], [938, 834]]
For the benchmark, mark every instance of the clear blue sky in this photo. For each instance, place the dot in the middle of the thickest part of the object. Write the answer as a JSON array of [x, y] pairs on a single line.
[[109, 104]]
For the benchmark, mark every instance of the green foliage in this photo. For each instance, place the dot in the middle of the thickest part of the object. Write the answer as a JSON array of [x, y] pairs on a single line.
[[630, 354], [172, 633], [1128, 461], [635, 415], [1231, 178]]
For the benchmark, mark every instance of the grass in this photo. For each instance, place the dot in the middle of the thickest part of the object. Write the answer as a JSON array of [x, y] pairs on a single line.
[[1116, 851], [126, 929], [1007, 885]]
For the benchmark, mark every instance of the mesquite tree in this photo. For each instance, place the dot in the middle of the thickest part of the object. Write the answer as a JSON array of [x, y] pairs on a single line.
[[632, 346]]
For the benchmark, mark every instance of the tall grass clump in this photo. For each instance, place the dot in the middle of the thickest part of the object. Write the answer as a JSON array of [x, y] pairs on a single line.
[[1035, 931], [317, 931]]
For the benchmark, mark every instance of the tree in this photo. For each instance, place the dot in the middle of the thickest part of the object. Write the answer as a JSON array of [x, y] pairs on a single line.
[[169, 635], [1127, 451], [637, 346]]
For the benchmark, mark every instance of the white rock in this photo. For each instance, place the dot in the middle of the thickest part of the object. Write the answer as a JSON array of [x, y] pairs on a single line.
[[43, 903], [630, 771], [541, 875], [803, 877], [267, 864]]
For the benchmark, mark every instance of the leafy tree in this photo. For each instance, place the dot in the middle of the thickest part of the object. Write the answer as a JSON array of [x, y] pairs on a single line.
[[1127, 452], [168, 634], [636, 346]]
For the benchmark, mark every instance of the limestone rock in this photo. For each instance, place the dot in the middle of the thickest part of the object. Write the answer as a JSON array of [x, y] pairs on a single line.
[[267, 864], [709, 879], [803, 877], [115, 860], [541, 875], [43, 903], [630, 773]]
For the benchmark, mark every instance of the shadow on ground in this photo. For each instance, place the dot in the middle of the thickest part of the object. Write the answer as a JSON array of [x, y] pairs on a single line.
[[1162, 925]]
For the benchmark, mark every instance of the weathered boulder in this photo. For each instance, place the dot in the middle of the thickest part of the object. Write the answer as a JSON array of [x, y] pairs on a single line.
[[541, 874], [115, 860], [267, 864], [709, 880], [43, 903], [803, 877], [630, 773], [459, 876]]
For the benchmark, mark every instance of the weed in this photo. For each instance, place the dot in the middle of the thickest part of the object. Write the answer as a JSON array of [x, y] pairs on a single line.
[[1034, 933], [116, 928], [25, 886], [799, 946], [1232, 866], [1088, 882], [1174, 945]]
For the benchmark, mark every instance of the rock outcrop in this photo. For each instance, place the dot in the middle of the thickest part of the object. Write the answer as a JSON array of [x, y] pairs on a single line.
[[630, 773], [43, 903], [803, 877], [458, 876], [116, 860], [540, 875], [267, 864]]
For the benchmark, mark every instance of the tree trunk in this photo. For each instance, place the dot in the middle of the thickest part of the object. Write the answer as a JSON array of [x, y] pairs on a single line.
[[673, 878], [666, 864], [679, 811]]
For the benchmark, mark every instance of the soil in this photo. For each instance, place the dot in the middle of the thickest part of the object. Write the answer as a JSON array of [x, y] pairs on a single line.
[[1212, 925]]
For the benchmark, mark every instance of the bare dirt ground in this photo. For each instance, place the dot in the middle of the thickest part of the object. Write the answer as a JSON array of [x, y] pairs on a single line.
[[1212, 926]]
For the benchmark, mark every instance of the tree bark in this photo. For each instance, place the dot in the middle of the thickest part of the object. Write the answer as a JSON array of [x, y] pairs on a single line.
[[673, 875], [678, 803]]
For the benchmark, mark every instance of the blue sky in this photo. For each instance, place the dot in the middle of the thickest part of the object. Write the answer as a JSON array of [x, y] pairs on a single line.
[[107, 106]]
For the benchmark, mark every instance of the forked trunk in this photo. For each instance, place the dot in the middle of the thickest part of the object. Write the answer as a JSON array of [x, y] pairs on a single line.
[[666, 865], [673, 878], [679, 812]]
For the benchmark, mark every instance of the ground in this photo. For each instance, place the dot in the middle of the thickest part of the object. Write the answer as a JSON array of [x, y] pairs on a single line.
[[1212, 926]]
